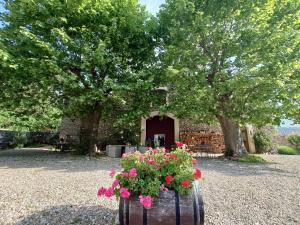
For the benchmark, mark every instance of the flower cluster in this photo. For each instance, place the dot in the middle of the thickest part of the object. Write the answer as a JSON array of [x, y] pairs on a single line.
[[145, 175]]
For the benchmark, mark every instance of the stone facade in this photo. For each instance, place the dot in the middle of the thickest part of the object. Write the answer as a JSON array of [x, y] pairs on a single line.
[[70, 131]]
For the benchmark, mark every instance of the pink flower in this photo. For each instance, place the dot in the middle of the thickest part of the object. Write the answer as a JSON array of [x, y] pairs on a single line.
[[115, 184], [101, 191], [142, 158], [132, 172], [124, 193], [162, 186], [146, 201], [125, 174], [109, 192], [112, 173], [149, 149]]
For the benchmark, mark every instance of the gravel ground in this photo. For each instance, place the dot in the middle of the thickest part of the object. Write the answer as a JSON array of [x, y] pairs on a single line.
[[38, 186]]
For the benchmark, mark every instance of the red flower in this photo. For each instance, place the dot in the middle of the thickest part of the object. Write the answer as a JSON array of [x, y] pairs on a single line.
[[168, 178], [179, 144], [185, 183], [197, 174], [174, 157], [151, 162], [194, 161]]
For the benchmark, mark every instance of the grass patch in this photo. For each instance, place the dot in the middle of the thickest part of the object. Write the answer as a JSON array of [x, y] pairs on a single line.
[[251, 159], [286, 150]]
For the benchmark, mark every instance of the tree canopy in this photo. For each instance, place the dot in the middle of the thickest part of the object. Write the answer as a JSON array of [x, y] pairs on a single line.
[[235, 61], [83, 56]]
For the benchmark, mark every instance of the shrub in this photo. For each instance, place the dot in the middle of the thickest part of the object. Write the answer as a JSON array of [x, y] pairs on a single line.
[[19, 140], [286, 150], [251, 159], [294, 140], [263, 142]]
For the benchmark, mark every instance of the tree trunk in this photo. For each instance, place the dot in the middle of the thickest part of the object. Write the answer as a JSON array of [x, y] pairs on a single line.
[[232, 136], [89, 132]]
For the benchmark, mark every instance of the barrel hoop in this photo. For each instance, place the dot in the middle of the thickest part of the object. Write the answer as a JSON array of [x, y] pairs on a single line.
[[201, 208], [127, 211], [121, 211], [145, 219], [195, 209], [177, 208]]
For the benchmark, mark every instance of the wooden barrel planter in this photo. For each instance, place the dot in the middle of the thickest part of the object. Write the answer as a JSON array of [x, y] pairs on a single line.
[[169, 209]]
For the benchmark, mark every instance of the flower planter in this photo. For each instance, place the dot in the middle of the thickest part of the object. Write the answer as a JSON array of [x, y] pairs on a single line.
[[129, 149], [169, 209], [114, 151]]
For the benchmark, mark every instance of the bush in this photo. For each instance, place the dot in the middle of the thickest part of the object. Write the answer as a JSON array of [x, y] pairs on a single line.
[[251, 159], [294, 140], [263, 142], [19, 140], [286, 150]]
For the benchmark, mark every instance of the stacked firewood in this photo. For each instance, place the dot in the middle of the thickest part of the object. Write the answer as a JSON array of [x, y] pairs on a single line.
[[215, 140]]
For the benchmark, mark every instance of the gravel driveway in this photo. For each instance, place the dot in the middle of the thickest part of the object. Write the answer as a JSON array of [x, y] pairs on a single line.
[[38, 186]]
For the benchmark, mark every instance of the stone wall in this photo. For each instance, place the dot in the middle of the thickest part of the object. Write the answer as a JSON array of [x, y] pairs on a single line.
[[70, 131], [191, 133]]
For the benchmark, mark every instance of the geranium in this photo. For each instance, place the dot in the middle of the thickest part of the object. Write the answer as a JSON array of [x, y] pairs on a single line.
[[115, 184], [174, 157], [125, 174], [101, 191], [194, 161], [162, 186], [124, 193], [109, 192], [197, 174], [112, 173], [146, 201], [169, 179], [179, 144], [132, 172], [146, 175], [151, 162], [142, 158], [185, 183]]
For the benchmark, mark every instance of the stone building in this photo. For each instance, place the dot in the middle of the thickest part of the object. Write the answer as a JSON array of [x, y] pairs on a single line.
[[162, 130]]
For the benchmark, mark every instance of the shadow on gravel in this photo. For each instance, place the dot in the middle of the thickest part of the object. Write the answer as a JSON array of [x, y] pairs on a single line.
[[71, 214], [231, 168], [47, 159]]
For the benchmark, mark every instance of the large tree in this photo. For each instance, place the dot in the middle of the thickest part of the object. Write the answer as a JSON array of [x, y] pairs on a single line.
[[87, 57], [235, 62]]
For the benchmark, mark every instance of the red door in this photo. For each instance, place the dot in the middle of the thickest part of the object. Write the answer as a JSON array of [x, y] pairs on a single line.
[[163, 126]]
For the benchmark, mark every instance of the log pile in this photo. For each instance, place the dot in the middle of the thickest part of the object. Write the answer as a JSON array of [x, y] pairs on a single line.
[[216, 140]]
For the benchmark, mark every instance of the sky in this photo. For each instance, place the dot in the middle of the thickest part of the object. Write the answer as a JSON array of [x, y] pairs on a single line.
[[152, 5]]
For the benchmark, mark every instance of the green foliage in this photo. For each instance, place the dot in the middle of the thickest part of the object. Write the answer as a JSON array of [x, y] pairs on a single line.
[[19, 140], [232, 59], [263, 142], [41, 120], [286, 150], [153, 167], [77, 56], [294, 139], [251, 159]]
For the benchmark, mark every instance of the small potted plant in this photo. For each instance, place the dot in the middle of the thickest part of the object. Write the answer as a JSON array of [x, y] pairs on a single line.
[[157, 187]]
